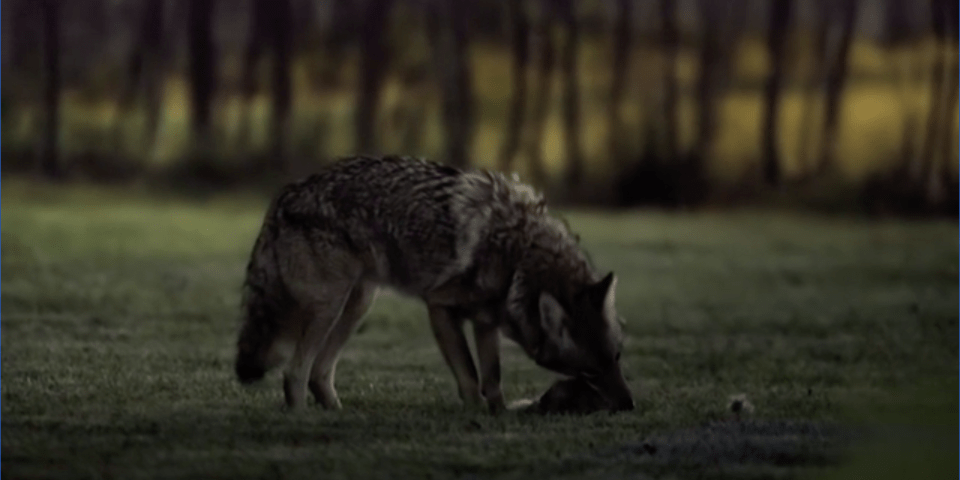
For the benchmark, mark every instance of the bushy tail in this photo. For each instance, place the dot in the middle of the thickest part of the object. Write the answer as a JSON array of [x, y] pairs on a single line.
[[265, 301]]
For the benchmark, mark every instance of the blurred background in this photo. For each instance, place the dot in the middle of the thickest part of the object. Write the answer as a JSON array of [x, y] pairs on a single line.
[[140, 139], [831, 104]]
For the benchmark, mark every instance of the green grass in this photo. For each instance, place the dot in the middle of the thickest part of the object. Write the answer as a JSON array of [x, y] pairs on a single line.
[[119, 315]]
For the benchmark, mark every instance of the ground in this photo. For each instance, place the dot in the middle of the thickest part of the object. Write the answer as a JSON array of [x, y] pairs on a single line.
[[120, 313]]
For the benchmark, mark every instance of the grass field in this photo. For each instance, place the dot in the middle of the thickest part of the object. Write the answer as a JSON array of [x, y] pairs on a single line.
[[119, 314]]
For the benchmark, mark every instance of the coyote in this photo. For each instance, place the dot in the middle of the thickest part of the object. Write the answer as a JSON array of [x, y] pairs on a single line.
[[473, 245]]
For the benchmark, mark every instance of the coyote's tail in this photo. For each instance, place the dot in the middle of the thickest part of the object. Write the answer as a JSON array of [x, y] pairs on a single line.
[[265, 300]]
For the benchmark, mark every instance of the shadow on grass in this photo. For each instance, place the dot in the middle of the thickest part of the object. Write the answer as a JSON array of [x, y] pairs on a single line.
[[780, 443]]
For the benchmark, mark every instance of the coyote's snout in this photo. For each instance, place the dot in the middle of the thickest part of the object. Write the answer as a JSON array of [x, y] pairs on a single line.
[[473, 245]]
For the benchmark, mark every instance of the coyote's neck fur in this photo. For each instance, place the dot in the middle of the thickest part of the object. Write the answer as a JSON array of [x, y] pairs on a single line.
[[512, 249], [504, 227]]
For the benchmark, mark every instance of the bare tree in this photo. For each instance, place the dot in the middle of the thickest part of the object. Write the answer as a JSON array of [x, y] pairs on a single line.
[[815, 81], [335, 23], [951, 12], [7, 36], [940, 123], [897, 22], [776, 42], [20, 19], [937, 106], [566, 9], [410, 114], [620, 60], [280, 20], [203, 68], [542, 94], [670, 46], [451, 24], [147, 67], [374, 59], [898, 30], [835, 82], [520, 45], [718, 34], [252, 56], [711, 12], [50, 161]]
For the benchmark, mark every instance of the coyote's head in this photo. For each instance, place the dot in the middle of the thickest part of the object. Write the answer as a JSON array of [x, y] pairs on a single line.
[[581, 336]]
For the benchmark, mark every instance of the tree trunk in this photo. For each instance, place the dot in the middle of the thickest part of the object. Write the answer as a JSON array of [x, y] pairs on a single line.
[[155, 71], [410, 115], [203, 69], [281, 43], [374, 60], [252, 56], [520, 43], [943, 101], [936, 91], [722, 22], [571, 95], [836, 80], [7, 38], [457, 82], [542, 96], [952, 14], [670, 45], [707, 88], [897, 31], [896, 22], [776, 41], [146, 71], [949, 122], [816, 78], [50, 161], [620, 60], [7, 35]]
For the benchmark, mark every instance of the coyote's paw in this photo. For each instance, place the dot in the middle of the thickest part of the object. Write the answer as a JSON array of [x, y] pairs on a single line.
[[496, 405]]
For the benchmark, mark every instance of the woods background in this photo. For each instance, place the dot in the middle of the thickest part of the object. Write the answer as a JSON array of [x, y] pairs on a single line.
[[830, 104], [140, 139]]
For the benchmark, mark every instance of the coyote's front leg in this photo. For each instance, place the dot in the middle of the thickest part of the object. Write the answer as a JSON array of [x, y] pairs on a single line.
[[487, 339], [448, 330]]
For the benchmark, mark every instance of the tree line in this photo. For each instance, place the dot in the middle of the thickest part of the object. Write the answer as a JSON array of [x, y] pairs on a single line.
[[544, 40]]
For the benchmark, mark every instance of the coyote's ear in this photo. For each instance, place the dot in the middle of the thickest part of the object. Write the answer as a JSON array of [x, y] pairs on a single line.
[[603, 293], [552, 318]]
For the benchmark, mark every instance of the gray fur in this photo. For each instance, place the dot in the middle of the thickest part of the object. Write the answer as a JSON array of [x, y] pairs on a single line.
[[472, 244]]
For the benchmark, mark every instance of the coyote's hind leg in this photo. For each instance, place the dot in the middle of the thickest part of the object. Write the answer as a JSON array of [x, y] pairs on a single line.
[[324, 367]]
